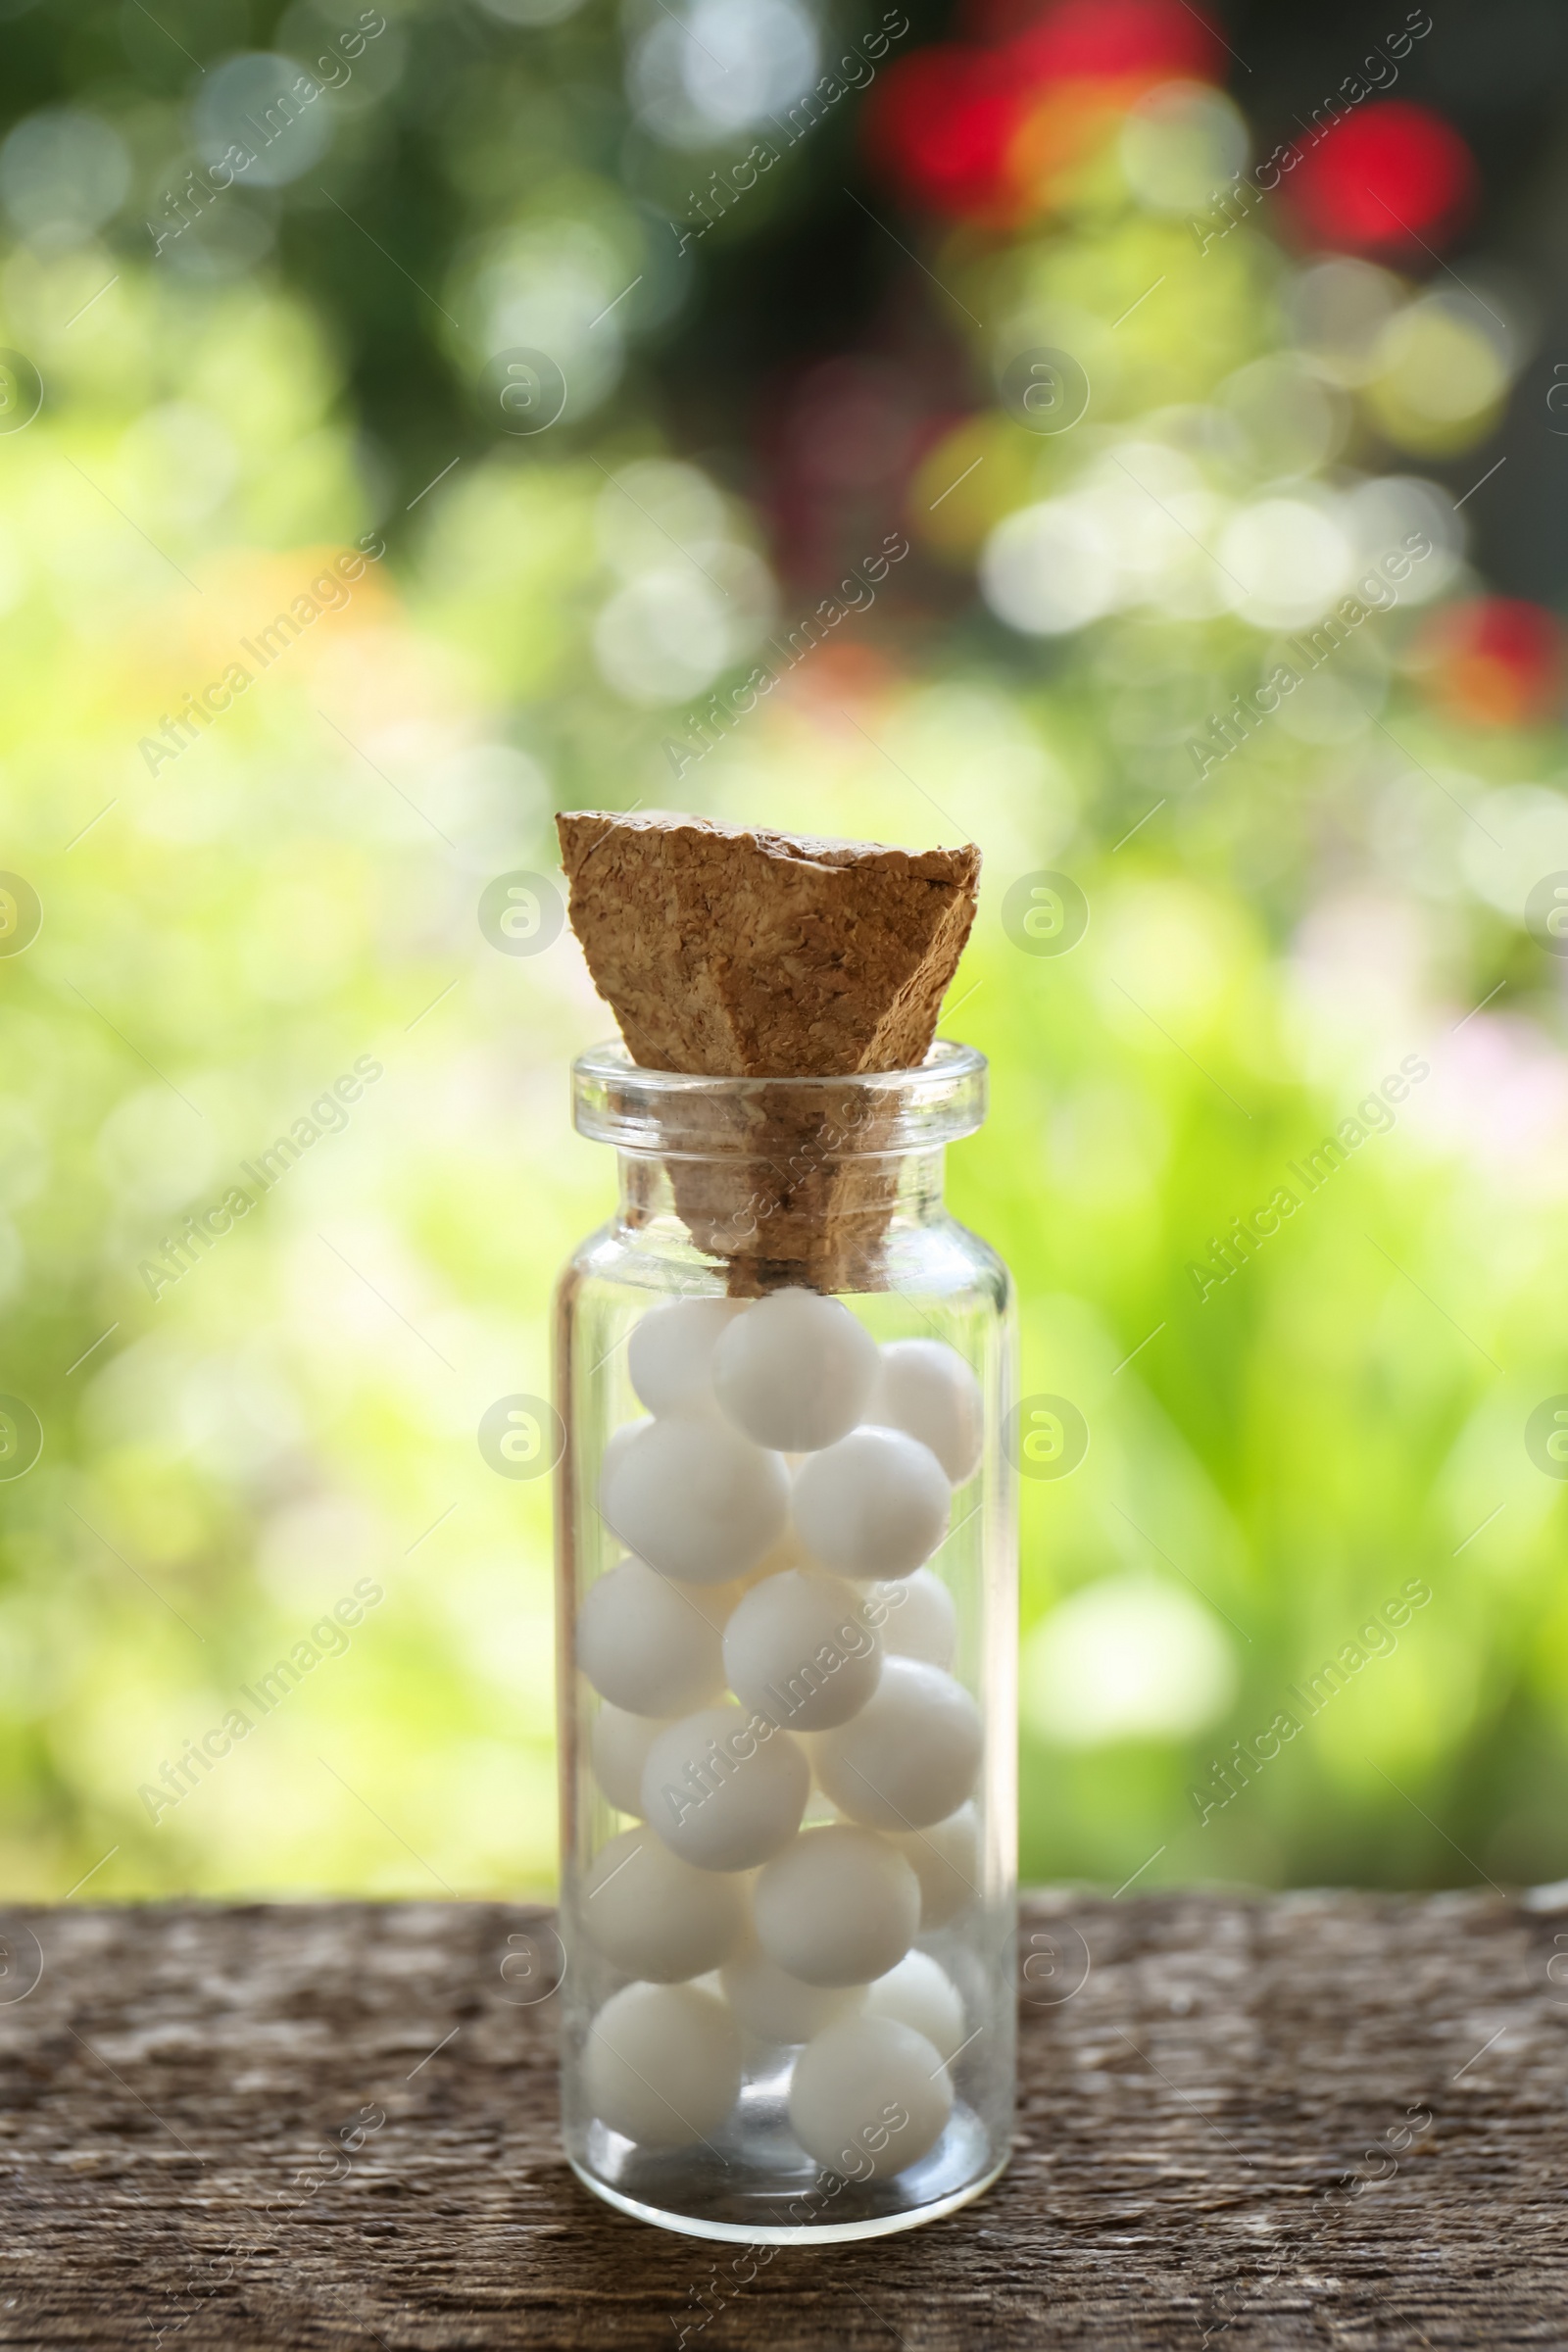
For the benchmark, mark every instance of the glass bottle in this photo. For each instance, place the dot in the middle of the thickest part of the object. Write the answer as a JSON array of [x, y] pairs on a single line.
[[787, 1611]]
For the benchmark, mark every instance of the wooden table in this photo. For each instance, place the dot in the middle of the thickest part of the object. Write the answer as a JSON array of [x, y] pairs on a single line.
[[1314, 2119]]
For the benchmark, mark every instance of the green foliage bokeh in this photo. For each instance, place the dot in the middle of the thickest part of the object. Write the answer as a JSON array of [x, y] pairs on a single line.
[[227, 933]]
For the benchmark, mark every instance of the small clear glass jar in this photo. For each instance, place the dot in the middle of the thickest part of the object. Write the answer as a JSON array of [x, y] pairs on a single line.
[[787, 1612]]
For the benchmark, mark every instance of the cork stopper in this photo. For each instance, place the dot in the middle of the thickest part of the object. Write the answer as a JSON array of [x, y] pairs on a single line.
[[731, 953]]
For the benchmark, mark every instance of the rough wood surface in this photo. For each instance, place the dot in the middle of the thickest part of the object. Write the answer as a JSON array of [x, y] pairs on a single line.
[[1220, 2140]]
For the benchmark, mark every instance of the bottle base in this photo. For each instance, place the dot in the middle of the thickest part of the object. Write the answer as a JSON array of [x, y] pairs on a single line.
[[949, 2177]]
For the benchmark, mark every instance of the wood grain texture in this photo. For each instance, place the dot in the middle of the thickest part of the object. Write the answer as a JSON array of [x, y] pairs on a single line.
[[1192, 2160]]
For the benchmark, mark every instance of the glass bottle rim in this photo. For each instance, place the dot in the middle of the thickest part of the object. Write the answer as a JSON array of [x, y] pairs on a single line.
[[671, 1115]]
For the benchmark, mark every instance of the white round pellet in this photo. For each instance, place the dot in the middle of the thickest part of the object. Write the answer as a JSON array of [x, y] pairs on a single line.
[[840, 1906], [925, 1388], [695, 1499], [795, 1370], [921, 1620], [788, 1552], [868, 2097], [654, 1916], [775, 2006], [649, 1645], [723, 1792], [911, 1754], [946, 1859], [799, 1650], [669, 1355], [874, 1505], [920, 1994], [617, 1441], [662, 2063], [619, 1743]]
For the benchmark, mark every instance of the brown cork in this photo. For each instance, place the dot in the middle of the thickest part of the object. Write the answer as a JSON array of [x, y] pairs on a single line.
[[729, 952]]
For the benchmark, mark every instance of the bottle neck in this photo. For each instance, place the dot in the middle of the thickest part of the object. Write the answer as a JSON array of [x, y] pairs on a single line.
[[782, 1180], [786, 1218]]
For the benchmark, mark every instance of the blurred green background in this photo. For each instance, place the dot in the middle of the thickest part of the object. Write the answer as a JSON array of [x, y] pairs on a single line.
[[629, 337]]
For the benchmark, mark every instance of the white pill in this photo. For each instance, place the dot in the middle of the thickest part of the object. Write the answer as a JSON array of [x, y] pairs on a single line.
[[775, 2006], [662, 2063], [920, 1994], [654, 1916], [720, 1793], [921, 1620], [799, 1650], [650, 1644], [911, 1754], [670, 1353], [695, 1499], [876, 1503], [868, 2097], [619, 1744], [788, 1552], [840, 1906], [795, 1370], [946, 1859], [925, 1388], [617, 1441]]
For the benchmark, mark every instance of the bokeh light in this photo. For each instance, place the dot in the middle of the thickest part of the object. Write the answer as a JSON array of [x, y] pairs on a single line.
[[1286, 562], [63, 173], [1391, 177], [1126, 1658], [722, 68], [1440, 372], [1179, 143], [1338, 308], [942, 128], [1063, 649], [1130, 42], [1494, 661], [253, 106], [1286, 420], [995, 132], [1050, 568]]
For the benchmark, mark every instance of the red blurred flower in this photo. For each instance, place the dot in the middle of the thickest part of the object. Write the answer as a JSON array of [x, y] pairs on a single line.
[[1496, 662], [940, 126], [840, 439], [1117, 40], [1387, 178], [852, 424], [984, 134]]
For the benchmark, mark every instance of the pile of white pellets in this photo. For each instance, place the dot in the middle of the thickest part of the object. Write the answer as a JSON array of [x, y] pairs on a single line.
[[779, 1716]]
